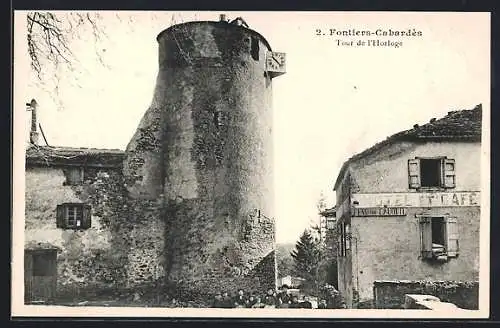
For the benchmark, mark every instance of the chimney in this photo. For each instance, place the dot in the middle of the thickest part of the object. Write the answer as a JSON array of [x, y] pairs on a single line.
[[222, 17], [33, 131]]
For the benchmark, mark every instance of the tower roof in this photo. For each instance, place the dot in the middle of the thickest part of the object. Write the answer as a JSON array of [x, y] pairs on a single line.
[[215, 24]]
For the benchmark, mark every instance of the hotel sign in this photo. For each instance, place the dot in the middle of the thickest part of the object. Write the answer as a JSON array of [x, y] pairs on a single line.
[[424, 199], [378, 211]]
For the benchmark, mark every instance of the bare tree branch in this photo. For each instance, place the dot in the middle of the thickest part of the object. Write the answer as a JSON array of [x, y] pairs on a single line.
[[50, 47], [58, 44], [50, 35]]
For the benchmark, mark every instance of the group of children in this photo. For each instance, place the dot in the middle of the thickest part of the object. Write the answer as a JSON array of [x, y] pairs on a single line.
[[270, 300]]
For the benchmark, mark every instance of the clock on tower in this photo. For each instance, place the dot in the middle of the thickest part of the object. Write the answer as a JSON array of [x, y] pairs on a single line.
[[275, 63]]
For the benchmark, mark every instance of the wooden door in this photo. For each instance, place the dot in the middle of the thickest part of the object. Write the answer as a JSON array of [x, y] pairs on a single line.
[[28, 276], [43, 275]]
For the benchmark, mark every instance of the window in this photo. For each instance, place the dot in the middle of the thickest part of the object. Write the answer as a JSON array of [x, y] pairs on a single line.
[[339, 240], [73, 216], [347, 234], [429, 172], [340, 248], [74, 176], [438, 231], [439, 237], [344, 239], [426, 173], [255, 48]]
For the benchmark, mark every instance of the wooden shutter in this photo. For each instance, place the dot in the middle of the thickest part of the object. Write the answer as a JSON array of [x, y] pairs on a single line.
[[53, 273], [75, 176], [339, 245], [426, 236], [86, 217], [60, 217], [343, 239], [452, 237], [348, 236], [414, 173], [448, 172]]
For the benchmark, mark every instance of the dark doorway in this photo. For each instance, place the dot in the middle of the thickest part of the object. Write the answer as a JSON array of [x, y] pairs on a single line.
[[40, 275], [332, 274]]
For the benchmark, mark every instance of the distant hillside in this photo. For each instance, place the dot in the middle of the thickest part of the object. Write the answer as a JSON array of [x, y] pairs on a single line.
[[285, 248], [284, 259]]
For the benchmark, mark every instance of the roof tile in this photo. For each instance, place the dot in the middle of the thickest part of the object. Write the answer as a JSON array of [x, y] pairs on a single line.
[[69, 155]]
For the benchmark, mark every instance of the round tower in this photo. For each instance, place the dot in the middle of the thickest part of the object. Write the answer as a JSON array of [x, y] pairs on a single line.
[[209, 155]]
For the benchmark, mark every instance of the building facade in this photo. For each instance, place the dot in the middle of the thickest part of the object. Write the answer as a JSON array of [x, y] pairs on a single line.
[[408, 208], [81, 230], [190, 200], [291, 282]]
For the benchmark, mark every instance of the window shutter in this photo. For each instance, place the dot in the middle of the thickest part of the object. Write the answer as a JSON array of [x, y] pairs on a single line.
[[414, 173], [448, 172], [76, 176], [426, 237], [339, 245], [60, 216], [452, 237], [86, 217], [344, 246], [341, 239], [348, 237]]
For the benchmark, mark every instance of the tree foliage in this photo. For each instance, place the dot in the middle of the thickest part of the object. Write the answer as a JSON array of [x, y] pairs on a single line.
[[284, 259], [328, 247], [321, 205], [306, 257]]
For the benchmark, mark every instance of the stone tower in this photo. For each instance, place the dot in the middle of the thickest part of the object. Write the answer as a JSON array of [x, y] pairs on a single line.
[[204, 152]]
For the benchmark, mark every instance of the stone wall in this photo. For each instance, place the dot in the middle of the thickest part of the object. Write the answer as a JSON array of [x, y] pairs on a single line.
[[145, 231], [105, 256], [204, 151], [257, 282], [143, 160], [391, 294]]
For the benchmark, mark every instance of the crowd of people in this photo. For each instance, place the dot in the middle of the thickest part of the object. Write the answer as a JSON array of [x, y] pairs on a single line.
[[271, 299]]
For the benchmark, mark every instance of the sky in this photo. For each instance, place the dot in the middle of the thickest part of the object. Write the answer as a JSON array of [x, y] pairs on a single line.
[[333, 102]]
